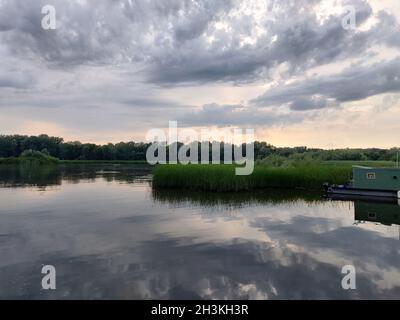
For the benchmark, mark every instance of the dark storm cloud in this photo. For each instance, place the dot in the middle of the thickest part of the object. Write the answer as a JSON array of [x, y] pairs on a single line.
[[303, 103], [301, 40], [84, 34], [16, 79], [227, 115], [104, 31], [353, 84], [151, 103], [170, 37], [139, 48]]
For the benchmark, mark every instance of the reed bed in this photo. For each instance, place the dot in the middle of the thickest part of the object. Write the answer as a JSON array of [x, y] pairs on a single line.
[[222, 178]]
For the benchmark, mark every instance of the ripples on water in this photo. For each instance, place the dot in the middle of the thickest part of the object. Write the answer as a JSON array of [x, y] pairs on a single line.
[[110, 236]]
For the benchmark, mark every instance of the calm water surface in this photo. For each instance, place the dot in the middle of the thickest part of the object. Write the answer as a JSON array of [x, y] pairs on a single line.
[[110, 236]]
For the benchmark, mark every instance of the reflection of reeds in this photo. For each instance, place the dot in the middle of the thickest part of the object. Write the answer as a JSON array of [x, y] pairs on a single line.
[[222, 177], [210, 199]]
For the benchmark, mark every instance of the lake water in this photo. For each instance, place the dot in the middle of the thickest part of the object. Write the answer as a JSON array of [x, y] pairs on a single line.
[[110, 236]]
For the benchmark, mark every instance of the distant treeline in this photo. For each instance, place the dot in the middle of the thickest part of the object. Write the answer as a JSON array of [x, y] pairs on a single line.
[[14, 145]]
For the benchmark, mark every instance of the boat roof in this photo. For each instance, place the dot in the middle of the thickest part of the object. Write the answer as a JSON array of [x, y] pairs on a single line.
[[362, 167], [375, 168]]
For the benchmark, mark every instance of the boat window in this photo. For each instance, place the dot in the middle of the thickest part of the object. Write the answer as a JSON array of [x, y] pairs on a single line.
[[371, 176], [372, 215]]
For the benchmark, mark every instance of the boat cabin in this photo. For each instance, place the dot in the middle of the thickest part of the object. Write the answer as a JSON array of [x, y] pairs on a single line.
[[376, 178], [384, 213]]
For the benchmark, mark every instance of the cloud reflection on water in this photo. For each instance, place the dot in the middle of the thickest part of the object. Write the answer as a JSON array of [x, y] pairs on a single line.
[[111, 237]]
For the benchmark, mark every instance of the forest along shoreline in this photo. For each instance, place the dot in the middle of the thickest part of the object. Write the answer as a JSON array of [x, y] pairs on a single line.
[[289, 168]]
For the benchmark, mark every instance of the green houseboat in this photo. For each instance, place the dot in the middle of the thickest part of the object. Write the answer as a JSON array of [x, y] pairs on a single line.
[[370, 182], [384, 213]]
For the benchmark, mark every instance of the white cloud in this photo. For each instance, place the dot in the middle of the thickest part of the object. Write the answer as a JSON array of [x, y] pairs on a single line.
[[127, 66]]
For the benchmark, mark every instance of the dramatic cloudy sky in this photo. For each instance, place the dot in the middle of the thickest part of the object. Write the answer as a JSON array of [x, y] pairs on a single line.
[[114, 69]]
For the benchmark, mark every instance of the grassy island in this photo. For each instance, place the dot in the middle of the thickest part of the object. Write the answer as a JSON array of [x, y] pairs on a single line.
[[222, 177]]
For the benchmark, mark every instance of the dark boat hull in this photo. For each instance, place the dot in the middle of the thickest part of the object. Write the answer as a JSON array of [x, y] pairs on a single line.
[[349, 191]]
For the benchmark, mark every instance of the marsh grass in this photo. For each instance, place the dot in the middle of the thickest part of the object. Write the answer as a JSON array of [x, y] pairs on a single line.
[[222, 177]]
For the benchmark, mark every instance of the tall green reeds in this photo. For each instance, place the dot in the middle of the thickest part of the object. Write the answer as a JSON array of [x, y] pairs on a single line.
[[222, 177]]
